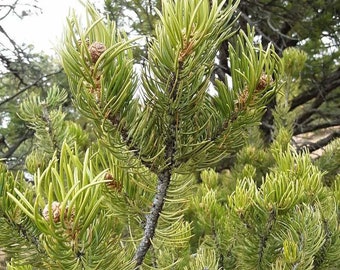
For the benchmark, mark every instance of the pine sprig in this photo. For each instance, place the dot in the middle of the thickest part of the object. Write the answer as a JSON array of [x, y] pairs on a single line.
[[20, 236], [68, 217], [289, 203], [178, 128], [51, 129]]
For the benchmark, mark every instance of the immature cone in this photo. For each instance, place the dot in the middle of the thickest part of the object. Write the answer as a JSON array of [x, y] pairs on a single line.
[[56, 211], [264, 82], [96, 49], [69, 214], [113, 184], [55, 207]]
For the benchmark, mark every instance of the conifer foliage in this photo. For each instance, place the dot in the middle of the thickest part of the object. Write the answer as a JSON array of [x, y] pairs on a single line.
[[131, 199]]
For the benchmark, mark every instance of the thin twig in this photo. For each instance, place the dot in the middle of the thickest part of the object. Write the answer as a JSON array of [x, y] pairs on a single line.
[[12, 149], [29, 86]]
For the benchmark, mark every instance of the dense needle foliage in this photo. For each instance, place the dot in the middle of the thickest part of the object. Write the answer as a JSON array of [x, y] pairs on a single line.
[[145, 194]]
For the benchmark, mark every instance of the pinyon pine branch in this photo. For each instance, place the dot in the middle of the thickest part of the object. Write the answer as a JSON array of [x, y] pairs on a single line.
[[179, 128], [174, 93], [164, 178], [145, 194]]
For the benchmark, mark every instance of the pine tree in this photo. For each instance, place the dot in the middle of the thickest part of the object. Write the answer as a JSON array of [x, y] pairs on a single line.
[[132, 198]]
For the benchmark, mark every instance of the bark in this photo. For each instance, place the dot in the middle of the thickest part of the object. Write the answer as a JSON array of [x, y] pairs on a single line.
[[164, 176], [29, 134]]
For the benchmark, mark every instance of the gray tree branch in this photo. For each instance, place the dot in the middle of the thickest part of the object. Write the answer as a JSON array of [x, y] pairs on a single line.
[[29, 86], [311, 147], [164, 177]]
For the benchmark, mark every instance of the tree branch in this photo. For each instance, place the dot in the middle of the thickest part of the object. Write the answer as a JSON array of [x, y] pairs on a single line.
[[164, 177], [318, 94], [328, 84], [258, 30], [29, 86], [10, 7], [29, 134], [311, 147], [299, 129]]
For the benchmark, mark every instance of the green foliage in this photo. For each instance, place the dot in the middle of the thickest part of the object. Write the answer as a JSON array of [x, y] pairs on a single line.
[[329, 162], [289, 221], [293, 62], [252, 162], [67, 215], [132, 200], [19, 235], [51, 128], [184, 48]]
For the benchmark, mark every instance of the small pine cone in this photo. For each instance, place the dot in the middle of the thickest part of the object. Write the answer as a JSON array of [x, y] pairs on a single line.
[[263, 82], [108, 176], [96, 49], [113, 184], [55, 207]]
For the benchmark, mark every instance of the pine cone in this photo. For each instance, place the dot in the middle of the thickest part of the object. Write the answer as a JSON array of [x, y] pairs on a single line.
[[113, 184], [96, 49], [55, 207], [263, 82]]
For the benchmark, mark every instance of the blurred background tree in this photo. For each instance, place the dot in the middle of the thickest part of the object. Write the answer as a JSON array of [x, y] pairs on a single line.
[[23, 71]]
